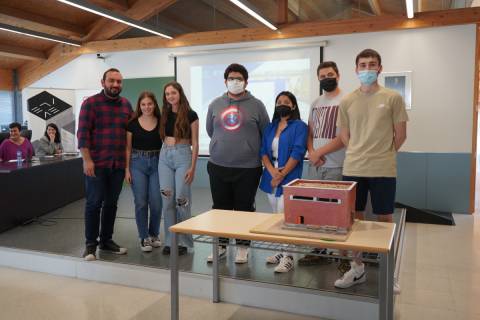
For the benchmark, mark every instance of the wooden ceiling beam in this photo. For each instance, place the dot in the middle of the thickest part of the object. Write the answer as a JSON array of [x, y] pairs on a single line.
[[59, 56], [6, 79], [115, 5], [27, 20], [297, 30], [375, 6], [282, 11], [8, 50], [105, 29], [62, 54]]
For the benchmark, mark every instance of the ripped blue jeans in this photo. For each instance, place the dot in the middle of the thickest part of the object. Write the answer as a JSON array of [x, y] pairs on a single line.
[[173, 163]]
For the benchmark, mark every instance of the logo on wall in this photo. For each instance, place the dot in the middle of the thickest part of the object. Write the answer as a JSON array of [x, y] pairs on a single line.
[[231, 118], [46, 105]]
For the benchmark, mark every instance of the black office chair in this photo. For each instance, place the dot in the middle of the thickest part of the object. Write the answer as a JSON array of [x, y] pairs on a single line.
[[26, 134], [3, 136]]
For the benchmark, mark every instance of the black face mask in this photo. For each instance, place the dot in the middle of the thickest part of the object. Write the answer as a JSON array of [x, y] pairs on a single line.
[[328, 84], [283, 110]]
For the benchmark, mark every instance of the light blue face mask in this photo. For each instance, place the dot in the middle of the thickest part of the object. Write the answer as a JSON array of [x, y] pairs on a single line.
[[367, 77]]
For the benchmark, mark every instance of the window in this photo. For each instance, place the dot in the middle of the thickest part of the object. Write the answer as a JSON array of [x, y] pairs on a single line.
[[6, 108]]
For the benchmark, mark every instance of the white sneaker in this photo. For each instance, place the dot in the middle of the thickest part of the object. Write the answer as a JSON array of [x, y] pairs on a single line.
[[352, 277], [242, 255], [146, 245], [275, 259], [285, 265], [396, 287], [222, 253], [155, 241]]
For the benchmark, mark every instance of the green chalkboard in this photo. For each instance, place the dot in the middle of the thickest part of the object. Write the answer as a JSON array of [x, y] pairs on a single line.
[[133, 87]]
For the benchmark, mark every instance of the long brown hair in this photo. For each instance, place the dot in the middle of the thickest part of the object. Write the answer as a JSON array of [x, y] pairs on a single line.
[[182, 128], [143, 95]]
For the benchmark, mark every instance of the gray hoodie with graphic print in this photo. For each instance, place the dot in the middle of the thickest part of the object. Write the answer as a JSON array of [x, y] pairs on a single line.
[[235, 128]]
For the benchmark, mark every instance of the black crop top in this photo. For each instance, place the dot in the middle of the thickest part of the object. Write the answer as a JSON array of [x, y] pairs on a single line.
[[143, 139], [172, 117]]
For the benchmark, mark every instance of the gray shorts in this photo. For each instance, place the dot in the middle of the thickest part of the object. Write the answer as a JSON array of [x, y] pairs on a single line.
[[320, 173]]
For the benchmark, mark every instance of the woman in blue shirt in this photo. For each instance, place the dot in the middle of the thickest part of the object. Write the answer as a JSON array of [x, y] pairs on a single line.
[[284, 145]]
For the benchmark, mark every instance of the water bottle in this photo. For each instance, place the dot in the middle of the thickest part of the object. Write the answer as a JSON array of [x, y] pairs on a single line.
[[19, 157]]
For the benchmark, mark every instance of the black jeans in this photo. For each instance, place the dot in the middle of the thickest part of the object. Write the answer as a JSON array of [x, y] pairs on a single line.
[[102, 192], [233, 189]]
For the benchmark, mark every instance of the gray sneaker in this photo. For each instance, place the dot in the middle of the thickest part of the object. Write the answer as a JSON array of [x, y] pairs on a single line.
[[146, 245], [155, 241]]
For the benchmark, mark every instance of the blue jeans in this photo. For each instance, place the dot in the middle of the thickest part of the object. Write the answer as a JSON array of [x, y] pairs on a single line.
[[102, 193], [146, 192], [173, 164]]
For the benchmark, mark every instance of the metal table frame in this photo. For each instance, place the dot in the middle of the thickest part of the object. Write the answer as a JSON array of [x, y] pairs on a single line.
[[385, 282]]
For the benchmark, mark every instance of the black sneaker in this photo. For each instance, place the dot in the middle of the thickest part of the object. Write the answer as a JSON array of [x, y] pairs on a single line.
[[313, 259], [112, 247], [90, 253], [181, 250]]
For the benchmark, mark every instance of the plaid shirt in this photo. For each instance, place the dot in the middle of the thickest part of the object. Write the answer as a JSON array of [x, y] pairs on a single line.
[[102, 129]]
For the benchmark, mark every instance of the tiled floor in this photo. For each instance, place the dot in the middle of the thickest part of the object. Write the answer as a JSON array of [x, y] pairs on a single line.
[[440, 275], [35, 296]]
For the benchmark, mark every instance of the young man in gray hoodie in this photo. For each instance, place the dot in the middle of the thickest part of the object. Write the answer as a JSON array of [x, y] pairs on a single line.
[[235, 123]]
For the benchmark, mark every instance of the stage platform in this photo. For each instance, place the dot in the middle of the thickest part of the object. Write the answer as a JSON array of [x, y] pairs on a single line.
[[55, 243]]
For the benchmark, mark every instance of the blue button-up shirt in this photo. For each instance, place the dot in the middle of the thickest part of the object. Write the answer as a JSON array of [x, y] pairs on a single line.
[[292, 144]]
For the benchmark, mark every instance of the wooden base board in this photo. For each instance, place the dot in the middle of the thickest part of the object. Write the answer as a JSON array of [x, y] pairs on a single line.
[[275, 226]]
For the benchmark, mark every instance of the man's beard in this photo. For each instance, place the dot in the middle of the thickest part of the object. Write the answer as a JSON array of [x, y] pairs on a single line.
[[109, 93]]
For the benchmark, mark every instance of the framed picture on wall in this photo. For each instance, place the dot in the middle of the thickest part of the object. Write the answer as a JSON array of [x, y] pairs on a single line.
[[400, 82]]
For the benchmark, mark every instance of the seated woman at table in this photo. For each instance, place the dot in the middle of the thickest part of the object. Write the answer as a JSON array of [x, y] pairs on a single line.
[[50, 143], [10, 146], [284, 145]]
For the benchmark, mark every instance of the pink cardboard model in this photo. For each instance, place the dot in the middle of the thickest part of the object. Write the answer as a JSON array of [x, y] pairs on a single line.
[[323, 205]]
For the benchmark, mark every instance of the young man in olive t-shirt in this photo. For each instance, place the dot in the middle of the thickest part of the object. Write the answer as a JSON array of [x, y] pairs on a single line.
[[372, 122]]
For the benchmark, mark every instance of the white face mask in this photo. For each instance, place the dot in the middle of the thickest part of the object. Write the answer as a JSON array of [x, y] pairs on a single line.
[[235, 86]]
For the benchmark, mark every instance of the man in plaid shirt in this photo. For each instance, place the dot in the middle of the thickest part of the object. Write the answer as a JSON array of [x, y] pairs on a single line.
[[102, 141]]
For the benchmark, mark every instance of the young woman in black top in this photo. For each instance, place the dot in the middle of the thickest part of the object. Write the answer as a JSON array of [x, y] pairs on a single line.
[[178, 159], [143, 149]]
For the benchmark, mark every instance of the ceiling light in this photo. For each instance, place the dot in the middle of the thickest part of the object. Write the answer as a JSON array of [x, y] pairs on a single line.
[[84, 5], [38, 35], [409, 4], [242, 6]]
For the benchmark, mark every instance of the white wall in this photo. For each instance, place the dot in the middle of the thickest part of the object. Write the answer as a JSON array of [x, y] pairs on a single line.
[[442, 61]]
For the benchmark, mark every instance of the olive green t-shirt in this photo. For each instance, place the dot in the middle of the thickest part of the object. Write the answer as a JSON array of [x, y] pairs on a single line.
[[370, 118]]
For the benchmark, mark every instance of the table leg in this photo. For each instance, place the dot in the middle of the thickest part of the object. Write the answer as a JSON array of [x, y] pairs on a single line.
[[385, 285], [390, 280], [216, 280], [382, 287], [174, 294]]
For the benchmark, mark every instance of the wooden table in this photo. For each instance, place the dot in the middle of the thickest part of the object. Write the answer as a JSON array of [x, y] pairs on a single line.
[[369, 236]]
